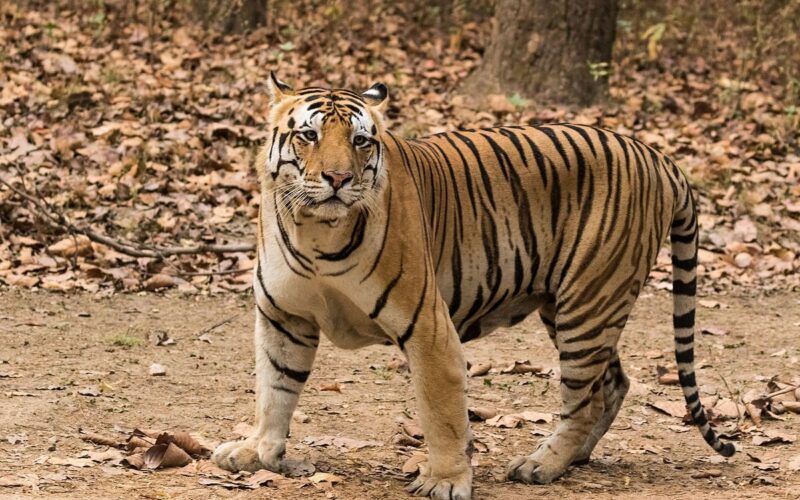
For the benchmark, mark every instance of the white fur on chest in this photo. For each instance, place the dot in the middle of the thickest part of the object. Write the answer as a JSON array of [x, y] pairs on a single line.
[[335, 304]]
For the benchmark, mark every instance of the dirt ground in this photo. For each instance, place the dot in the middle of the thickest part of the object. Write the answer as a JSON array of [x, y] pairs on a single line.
[[52, 346]]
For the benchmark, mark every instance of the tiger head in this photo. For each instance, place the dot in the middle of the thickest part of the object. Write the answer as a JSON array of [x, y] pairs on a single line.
[[324, 156]]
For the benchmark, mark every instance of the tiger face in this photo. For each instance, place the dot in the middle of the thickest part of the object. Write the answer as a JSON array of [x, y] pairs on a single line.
[[324, 156]]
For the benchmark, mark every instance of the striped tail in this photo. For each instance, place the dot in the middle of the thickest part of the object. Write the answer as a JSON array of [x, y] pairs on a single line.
[[683, 237]]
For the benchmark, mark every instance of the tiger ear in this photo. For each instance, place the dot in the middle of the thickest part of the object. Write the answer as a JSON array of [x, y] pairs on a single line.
[[278, 89], [377, 96]]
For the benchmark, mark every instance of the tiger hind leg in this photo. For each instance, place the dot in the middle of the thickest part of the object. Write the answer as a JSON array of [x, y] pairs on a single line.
[[615, 387], [582, 407]]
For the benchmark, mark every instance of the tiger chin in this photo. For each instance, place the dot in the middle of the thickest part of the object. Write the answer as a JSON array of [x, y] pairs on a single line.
[[425, 244]]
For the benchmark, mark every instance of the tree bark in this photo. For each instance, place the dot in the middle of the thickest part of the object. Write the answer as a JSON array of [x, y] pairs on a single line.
[[550, 51], [231, 16]]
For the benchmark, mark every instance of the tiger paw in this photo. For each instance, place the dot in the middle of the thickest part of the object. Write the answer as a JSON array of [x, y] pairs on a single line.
[[457, 487], [249, 455], [529, 470]]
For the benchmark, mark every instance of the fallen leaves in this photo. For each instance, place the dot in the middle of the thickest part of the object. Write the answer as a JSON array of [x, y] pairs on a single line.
[[95, 134], [147, 449]]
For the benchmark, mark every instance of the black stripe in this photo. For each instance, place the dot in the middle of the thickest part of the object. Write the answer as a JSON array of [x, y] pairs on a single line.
[[687, 379], [685, 264], [381, 302], [683, 321], [410, 330], [385, 235], [682, 238], [297, 376], [487, 183], [356, 238], [686, 356], [682, 288], [289, 335]]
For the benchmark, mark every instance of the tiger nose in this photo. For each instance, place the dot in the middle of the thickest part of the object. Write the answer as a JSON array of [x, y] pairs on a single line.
[[336, 177]]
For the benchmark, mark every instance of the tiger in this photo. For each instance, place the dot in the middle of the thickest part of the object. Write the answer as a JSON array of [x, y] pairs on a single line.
[[432, 242]]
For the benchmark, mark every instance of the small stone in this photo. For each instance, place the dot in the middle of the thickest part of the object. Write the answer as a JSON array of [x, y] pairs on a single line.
[[157, 370], [743, 260]]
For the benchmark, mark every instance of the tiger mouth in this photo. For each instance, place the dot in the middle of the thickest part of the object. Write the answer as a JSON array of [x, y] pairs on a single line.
[[331, 201]]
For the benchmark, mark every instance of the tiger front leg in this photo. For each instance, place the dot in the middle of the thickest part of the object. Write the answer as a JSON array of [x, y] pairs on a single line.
[[285, 348], [438, 373]]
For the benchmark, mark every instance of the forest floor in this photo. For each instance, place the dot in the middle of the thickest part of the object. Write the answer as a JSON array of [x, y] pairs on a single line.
[[70, 362]]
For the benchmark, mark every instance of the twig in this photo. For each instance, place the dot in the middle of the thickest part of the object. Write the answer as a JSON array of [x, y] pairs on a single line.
[[730, 392], [215, 273], [782, 391], [217, 325], [61, 222]]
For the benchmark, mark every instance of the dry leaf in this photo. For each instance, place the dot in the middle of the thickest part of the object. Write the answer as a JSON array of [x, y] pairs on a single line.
[[403, 439], [774, 437], [667, 376], [72, 462], [792, 406], [202, 468], [71, 246], [326, 477], [333, 387], [91, 437], [160, 281], [716, 331], [412, 429], [411, 465], [102, 456], [672, 408], [297, 468], [505, 421], [165, 455], [184, 441], [480, 413], [536, 417], [137, 442], [480, 370], [523, 366], [135, 461]]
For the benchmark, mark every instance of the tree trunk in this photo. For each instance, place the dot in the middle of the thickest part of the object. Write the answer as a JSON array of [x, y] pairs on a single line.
[[231, 16], [554, 51]]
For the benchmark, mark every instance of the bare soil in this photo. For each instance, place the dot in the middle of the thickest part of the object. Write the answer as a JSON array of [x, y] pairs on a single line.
[[55, 345]]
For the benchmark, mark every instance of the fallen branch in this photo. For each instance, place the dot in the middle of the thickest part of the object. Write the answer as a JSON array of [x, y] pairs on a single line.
[[59, 221]]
